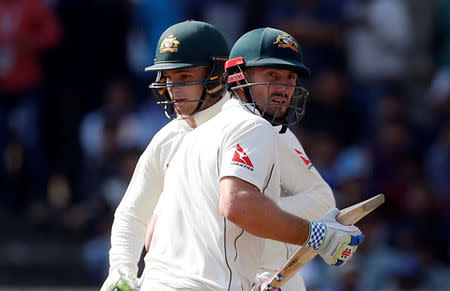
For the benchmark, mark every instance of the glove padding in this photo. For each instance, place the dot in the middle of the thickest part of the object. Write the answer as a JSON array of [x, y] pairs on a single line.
[[120, 280], [261, 278], [340, 242]]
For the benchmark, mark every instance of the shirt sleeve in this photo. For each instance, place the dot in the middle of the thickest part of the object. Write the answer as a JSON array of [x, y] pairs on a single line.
[[160, 205], [135, 210], [249, 153], [305, 192]]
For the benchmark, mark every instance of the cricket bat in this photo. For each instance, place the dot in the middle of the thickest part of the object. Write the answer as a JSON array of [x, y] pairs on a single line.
[[303, 255]]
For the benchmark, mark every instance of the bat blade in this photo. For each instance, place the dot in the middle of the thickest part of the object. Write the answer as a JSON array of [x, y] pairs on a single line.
[[303, 255]]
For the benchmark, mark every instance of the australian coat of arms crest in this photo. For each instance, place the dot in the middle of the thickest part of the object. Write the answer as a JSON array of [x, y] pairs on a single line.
[[170, 44], [285, 40]]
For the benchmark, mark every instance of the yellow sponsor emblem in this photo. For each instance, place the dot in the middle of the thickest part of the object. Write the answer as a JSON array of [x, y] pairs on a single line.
[[285, 40], [170, 44]]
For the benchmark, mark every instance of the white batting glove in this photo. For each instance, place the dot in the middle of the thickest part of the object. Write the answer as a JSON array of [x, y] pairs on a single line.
[[261, 278], [120, 280], [335, 242]]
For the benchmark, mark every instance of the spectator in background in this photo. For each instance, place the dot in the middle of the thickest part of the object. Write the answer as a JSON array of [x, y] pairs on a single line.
[[119, 124], [353, 170], [438, 95], [443, 26], [334, 123], [379, 37], [437, 166], [229, 16], [91, 53], [420, 64], [99, 212], [118, 109], [106, 131], [317, 23], [324, 148], [149, 20], [423, 17], [332, 109], [94, 47], [405, 263], [27, 29], [396, 106], [394, 162]]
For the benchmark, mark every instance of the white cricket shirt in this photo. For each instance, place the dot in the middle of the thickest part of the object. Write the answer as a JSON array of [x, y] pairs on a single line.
[[136, 208], [304, 193], [193, 245]]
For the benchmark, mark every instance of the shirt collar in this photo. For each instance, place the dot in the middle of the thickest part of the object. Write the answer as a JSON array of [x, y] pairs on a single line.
[[238, 102], [206, 114]]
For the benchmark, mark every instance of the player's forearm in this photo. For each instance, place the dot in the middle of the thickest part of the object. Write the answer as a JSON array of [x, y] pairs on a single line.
[[245, 206], [262, 217], [127, 240]]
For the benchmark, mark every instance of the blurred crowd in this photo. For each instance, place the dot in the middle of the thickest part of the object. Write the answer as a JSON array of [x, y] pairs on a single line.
[[75, 115]]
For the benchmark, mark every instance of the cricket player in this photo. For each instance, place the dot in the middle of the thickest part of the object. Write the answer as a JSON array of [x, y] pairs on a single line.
[[220, 192], [192, 55]]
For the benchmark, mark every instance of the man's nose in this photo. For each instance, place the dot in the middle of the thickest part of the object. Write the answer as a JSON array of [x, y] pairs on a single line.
[[280, 89], [176, 89]]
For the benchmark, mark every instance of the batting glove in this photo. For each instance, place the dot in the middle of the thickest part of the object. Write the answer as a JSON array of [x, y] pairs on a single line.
[[120, 280], [335, 242], [261, 278]]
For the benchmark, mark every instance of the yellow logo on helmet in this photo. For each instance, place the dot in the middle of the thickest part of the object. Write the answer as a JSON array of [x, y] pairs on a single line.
[[285, 40], [169, 44]]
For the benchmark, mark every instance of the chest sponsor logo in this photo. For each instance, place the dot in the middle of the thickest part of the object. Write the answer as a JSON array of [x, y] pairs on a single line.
[[241, 158], [304, 158]]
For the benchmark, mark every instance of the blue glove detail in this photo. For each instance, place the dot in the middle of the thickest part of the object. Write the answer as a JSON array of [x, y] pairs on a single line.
[[357, 239]]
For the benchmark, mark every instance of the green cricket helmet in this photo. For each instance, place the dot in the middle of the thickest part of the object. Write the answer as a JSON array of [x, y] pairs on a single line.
[[185, 45], [270, 48]]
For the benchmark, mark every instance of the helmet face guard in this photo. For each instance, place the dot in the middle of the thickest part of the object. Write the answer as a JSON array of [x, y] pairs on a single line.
[[213, 85], [269, 110], [273, 111]]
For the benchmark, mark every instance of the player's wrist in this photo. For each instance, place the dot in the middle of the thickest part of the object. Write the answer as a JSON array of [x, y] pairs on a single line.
[[121, 278], [316, 236], [124, 285]]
